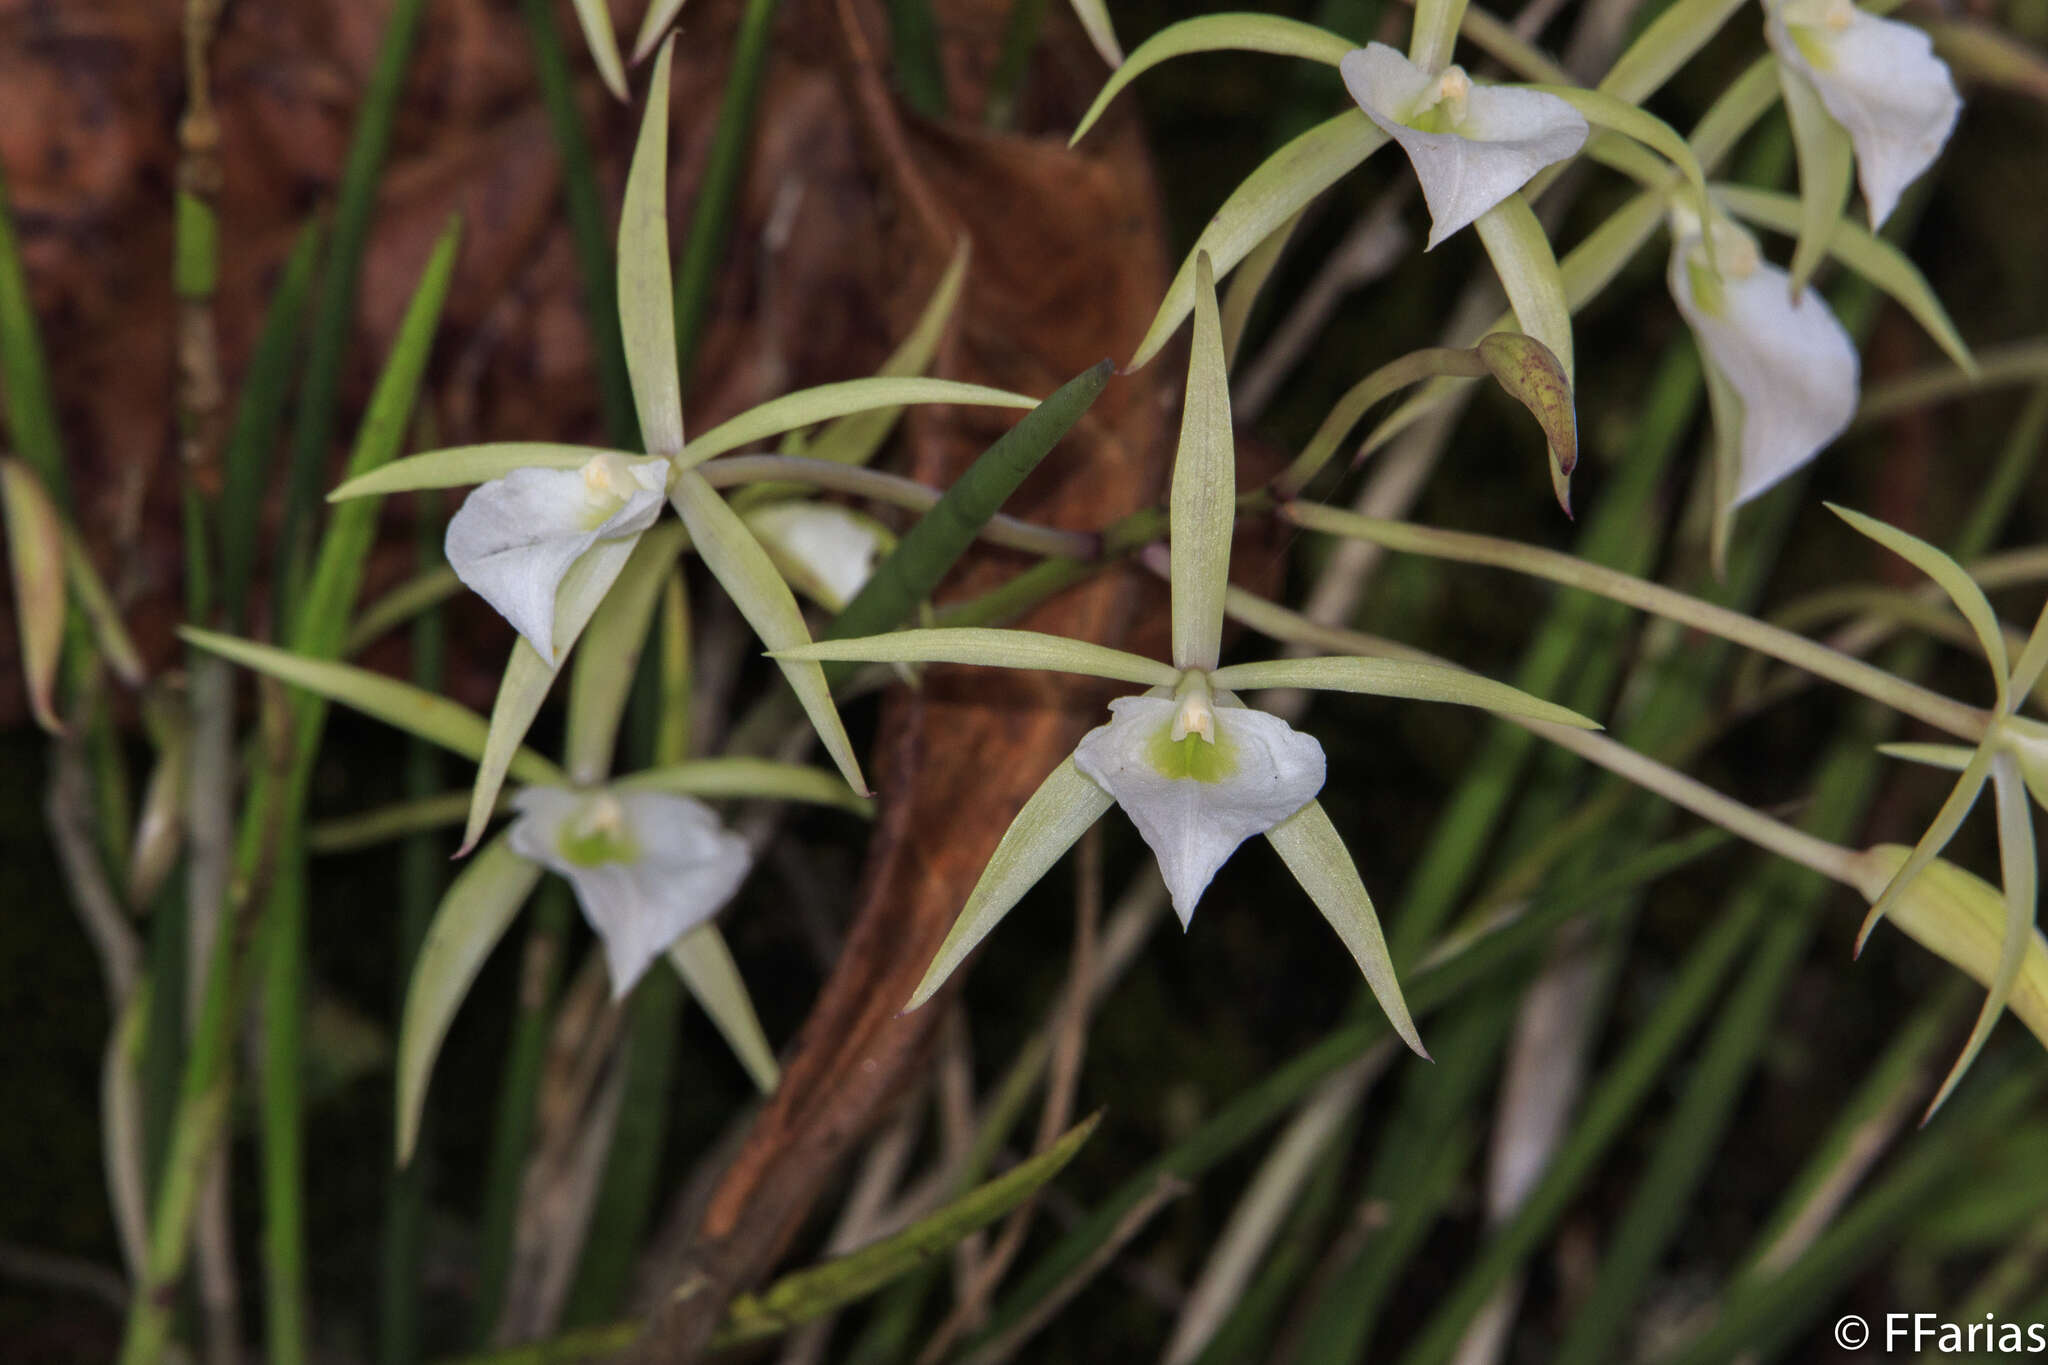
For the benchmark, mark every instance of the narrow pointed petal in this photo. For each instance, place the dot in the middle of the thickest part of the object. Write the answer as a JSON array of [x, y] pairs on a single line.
[[1789, 361], [986, 648], [647, 316], [474, 914], [743, 568], [460, 465], [826, 552], [647, 867], [514, 539], [1398, 678], [1952, 579], [654, 26], [1315, 854], [705, 964], [1195, 801], [2021, 876], [595, 17], [1883, 83], [1827, 163], [2027, 668], [1953, 757], [1202, 506], [1504, 138], [1946, 822], [1058, 813]]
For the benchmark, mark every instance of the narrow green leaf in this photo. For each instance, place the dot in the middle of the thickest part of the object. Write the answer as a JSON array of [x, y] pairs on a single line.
[[246, 458], [647, 317], [1398, 678], [705, 964], [2021, 877], [1264, 200], [595, 16], [988, 648], [1950, 577], [610, 656], [751, 779], [807, 407], [914, 50], [1267, 33], [931, 547], [1202, 507], [1869, 255], [529, 678], [810, 1294], [718, 189], [739, 563], [1536, 291], [35, 555], [1314, 852], [1058, 814], [433, 718], [26, 403], [460, 465], [321, 621], [473, 916], [334, 314], [1826, 163], [1094, 17]]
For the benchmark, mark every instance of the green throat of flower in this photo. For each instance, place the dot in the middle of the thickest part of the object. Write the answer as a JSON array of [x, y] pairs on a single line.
[[599, 835]]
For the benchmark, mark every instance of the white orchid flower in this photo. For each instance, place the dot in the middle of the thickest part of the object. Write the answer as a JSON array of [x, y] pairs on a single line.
[[515, 538], [1879, 79], [824, 551], [1197, 772], [1471, 145], [646, 866], [1783, 363]]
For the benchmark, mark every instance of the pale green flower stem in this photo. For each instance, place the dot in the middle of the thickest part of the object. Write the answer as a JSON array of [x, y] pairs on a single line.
[[1965, 722]]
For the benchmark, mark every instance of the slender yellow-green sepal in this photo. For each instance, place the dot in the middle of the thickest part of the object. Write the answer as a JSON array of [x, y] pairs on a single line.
[[1314, 852], [743, 568], [595, 16], [704, 962], [647, 318], [1202, 508], [1826, 165], [986, 648], [1217, 33], [474, 915], [1058, 814]]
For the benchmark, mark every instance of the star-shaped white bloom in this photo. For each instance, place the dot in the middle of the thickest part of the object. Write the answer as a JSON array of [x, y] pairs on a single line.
[[1196, 796], [1471, 145], [1787, 360], [646, 866], [515, 538], [1879, 79]]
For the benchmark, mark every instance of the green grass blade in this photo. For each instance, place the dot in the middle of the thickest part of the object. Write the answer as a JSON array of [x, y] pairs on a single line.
[[914, 57], [259, 418], [718, 192], [812, 1293], [474, 914], [26, 401], [335, 310]]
